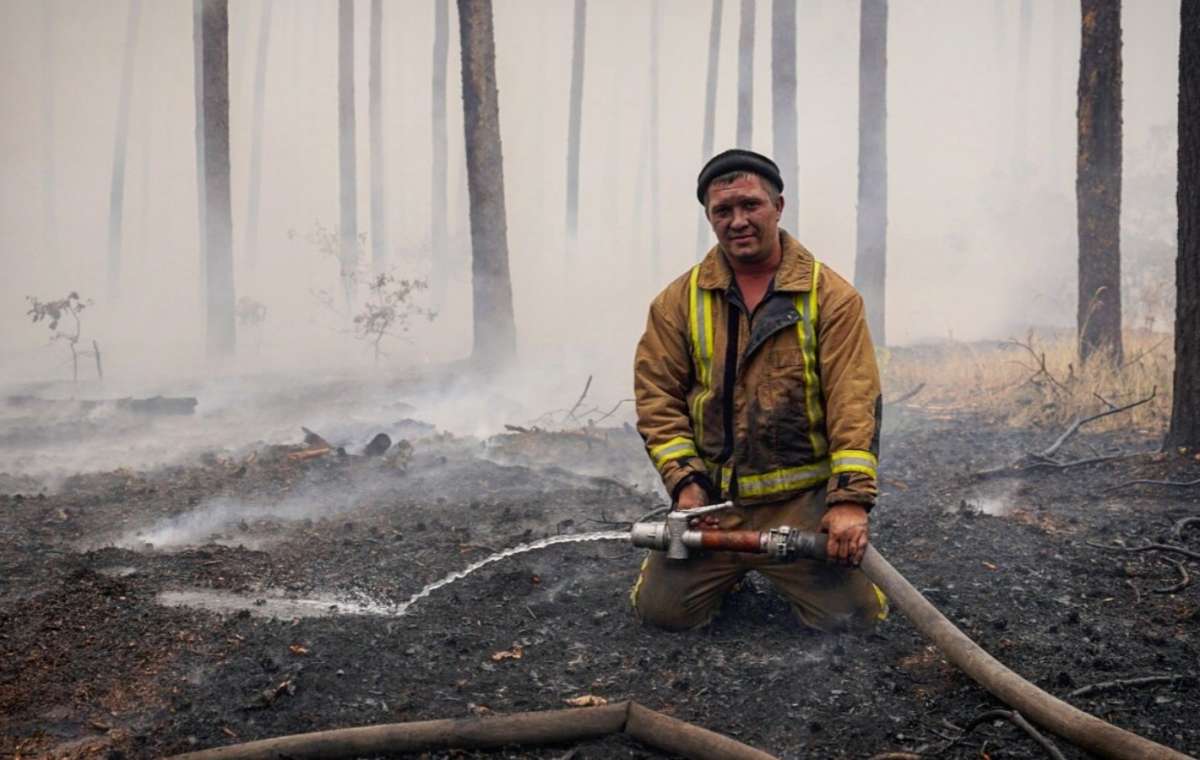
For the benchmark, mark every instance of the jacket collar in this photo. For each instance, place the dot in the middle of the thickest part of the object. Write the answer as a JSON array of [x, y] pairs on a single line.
[[794, 273]]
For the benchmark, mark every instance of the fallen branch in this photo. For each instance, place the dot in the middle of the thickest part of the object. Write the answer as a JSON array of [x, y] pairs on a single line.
[[1148, 547], [1041, 463], [304, 456], [612, 411], [1172, 483], [1185, 580], [1121, 683], [1177, 531], [1019, 721], [906, 396], [1074, 428]]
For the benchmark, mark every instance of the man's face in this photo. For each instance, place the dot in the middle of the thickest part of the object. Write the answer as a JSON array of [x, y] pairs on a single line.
[[744, 219]]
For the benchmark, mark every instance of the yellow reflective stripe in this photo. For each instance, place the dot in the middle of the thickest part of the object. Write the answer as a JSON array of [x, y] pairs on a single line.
[[806, 329], [676, 448], [783, 480], [880, 596], [851, 460], [720, 475], [700, 323], [637, 585]]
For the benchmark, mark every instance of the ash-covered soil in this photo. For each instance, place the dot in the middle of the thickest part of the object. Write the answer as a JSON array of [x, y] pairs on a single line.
[[293, 565]]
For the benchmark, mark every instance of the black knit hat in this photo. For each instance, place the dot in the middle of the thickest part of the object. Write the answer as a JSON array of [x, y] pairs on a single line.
[[737, 160]]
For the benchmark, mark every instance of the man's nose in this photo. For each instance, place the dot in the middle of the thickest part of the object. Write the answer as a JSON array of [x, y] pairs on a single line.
[[740, 218]]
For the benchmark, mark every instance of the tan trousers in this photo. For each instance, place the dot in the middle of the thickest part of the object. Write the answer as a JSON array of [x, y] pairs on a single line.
[[683, 594]]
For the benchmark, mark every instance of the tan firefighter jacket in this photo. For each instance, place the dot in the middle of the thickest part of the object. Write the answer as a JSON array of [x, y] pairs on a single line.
[[761, 410]]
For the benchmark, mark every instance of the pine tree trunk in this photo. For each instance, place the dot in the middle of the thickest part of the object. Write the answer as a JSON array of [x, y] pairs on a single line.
[[745, 99], [439, 221], [495, 331], [49, 201], [1021, 158], [1098, 181], [379, 235], [256, 129], [783, 101], [198, 85], [1185, 410], [652, 126], [575, 121], [703, 236], [870, 260], [348, 170], [116, 196], [218, 232]]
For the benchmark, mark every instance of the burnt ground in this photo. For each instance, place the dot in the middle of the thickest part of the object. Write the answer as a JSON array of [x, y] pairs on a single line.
[[93, 661]]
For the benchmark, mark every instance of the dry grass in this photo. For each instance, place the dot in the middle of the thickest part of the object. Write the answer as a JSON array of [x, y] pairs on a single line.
[[1037, 380]]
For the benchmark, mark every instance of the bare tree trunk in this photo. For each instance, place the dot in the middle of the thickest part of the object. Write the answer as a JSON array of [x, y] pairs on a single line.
[[745, 99], [198, 84], [1098, 181], [783, 101], [348, 170], [256, 130], [870, 260], [49, 168], [1185, 409], [495, 331], [652, 126], [1021, 157], [116, 196], [575, 122], [710, 112], [218, 233], [379, 236], [441, 197]]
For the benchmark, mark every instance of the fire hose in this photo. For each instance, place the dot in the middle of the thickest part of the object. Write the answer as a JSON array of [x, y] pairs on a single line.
[[679, 540]]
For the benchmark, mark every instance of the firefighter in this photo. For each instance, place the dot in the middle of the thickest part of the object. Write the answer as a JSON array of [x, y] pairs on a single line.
[[756, 382]]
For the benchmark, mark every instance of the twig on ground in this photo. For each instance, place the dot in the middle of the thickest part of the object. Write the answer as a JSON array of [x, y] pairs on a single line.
[[1042, 463], [612, 411], [906, 396], [517, 429], [1104, 401], [1147, 547], [1074, 428], [1121, 683], [1185, 580], [1172, 483], [896, 756], [1137, 595], [1041, 360], [582, 396], [1018, 720], [1177, 531]]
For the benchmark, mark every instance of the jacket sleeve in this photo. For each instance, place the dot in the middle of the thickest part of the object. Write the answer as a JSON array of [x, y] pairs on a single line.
[[850, 383], [662, 377]]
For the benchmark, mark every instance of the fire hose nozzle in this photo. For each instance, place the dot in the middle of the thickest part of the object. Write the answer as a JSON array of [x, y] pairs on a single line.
[[678, 540]]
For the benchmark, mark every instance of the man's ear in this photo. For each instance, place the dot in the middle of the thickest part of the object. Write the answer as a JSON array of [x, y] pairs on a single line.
[[779, 206]]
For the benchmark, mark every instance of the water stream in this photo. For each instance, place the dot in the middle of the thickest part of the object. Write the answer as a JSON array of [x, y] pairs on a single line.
[[603, 535], [274, 603]]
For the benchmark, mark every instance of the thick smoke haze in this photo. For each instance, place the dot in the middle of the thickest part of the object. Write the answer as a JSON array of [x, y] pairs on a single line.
[[981, 234]]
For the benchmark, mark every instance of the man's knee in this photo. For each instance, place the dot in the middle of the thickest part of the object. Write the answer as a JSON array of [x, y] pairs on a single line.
[[856, 612], [671, 602]]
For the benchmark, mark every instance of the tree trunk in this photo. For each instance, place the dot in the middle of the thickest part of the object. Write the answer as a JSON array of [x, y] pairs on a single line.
[[710, 112], [218, 232], [198, 84], [379, 237], [745, 99], [495, 332], [1021, 159], [575, 121], [49, 201], [116, 196], [439, 221], [870, 260], [783, 101], [652, 126], [1098, 181], [1185, 409], [348, 171], [260, 84]]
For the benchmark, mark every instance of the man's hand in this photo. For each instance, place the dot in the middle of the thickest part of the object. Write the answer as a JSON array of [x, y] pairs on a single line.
[[846, 524], [693, 495]]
